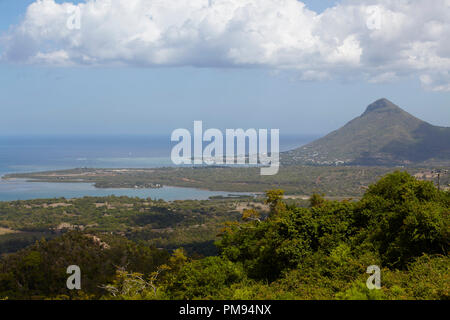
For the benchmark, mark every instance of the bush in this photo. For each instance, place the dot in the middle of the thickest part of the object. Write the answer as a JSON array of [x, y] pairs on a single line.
[[204, 278]]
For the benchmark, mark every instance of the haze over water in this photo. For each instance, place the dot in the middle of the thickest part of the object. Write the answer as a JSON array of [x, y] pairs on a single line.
[[45, 153]]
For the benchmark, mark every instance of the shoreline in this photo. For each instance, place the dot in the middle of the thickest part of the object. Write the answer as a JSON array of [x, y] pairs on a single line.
[[23, 189], [298, 182]]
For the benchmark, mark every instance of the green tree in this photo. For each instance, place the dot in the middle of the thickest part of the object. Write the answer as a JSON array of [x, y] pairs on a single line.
[[274, 198]]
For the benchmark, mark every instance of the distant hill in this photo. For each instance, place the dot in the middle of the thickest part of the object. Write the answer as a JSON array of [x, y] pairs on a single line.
[[384, 134]]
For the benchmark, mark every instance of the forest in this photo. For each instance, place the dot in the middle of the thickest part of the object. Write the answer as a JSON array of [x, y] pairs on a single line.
[[269, 248]]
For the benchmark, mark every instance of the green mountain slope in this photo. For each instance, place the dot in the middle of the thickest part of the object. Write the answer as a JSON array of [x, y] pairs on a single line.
[[383, 135]]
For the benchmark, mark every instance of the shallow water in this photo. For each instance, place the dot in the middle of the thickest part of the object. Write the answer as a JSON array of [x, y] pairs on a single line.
[[20, 189], [48, 153]]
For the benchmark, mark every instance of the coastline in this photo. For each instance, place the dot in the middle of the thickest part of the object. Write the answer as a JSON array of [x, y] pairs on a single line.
[[333, 181]]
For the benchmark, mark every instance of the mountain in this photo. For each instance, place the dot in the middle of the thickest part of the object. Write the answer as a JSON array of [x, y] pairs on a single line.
[[384, 134]]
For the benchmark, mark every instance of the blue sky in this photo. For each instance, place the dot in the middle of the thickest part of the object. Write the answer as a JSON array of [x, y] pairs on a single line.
[[140, 99]]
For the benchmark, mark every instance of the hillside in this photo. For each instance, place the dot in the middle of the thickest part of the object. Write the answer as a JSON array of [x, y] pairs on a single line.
[[384, 134], [139, 249]]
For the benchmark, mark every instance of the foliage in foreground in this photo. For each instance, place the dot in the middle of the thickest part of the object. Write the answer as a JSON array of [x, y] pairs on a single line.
[[322, 252]]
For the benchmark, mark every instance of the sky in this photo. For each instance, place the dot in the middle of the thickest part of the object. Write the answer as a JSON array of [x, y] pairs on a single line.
[[151, 66]]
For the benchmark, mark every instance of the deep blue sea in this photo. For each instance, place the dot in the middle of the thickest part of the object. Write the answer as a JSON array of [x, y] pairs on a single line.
[[41, 153]]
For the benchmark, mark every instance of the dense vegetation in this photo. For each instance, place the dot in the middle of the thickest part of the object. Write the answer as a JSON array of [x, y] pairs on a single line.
[[192, 224], [39, 271], [290, 252]]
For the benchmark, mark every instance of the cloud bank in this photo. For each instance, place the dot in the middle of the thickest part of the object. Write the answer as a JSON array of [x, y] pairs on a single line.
[[377, 40]]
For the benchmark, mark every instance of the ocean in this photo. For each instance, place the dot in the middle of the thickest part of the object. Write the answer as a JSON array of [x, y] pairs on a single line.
[[20, 154]]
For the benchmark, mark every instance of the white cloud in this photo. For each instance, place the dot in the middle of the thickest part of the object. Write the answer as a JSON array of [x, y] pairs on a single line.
[[383, 77], [440, 81], [381, 39]]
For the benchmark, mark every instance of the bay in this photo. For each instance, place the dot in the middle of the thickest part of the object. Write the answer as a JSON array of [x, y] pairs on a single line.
[[20, 189], [19, 154]]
